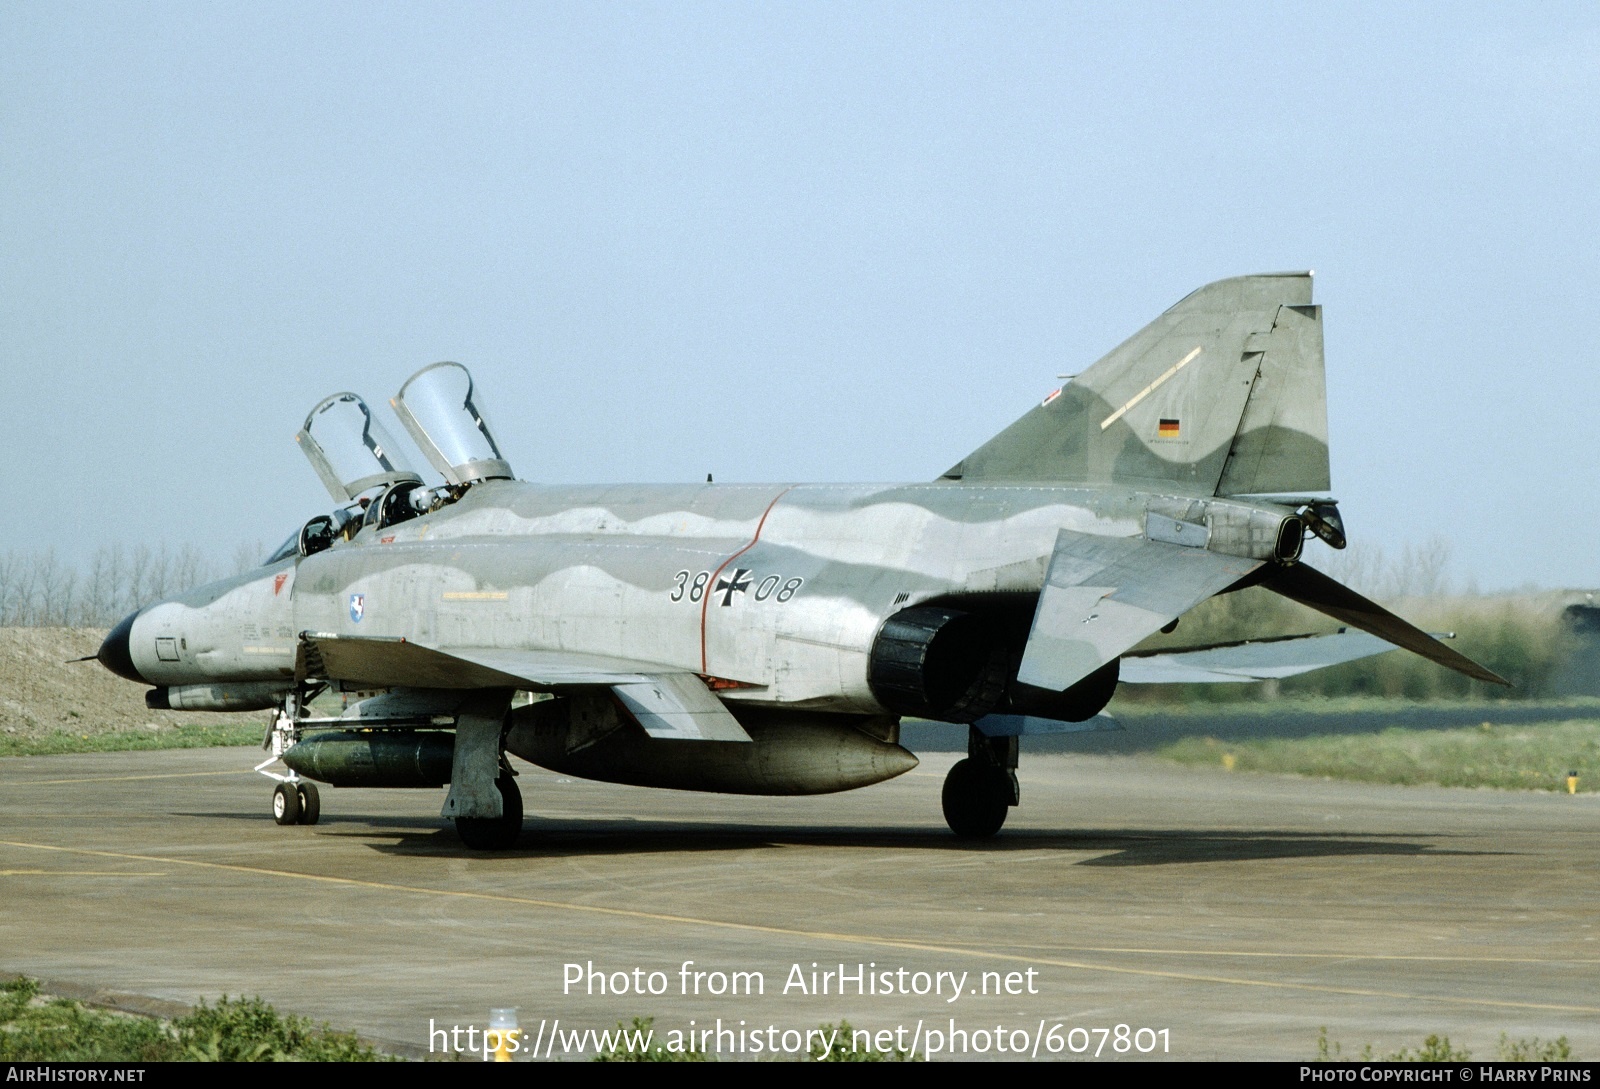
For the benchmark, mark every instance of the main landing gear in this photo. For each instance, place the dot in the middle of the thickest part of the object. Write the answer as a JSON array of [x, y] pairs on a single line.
[[980, 790], [495, 833], [484, 800]]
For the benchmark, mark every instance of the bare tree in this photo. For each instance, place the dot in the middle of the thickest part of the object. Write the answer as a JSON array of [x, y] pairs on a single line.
[[39, 589], [247, 556]]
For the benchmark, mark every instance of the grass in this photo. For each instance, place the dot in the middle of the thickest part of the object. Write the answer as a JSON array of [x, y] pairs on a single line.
[[1522, 639], [182, 737], [841, 1050], [35, 1028], [635, 1050], [1525, 757], [1438, 1049], [1133, 709]]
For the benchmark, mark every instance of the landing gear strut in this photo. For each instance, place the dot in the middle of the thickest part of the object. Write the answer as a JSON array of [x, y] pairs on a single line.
[[294, 800], [980, 789], [484, 800]]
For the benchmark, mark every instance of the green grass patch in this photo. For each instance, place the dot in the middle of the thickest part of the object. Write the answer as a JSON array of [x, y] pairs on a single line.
[[1521, 638], [1531, 757], [638, 1043], [34, 1028], [1438, 1049], [1334, 706], [181, 737]]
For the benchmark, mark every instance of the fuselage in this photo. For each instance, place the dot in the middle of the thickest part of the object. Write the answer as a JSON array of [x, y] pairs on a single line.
[[775, 592]]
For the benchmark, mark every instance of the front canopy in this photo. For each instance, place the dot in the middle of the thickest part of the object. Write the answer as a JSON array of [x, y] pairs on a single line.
[[350, 450]]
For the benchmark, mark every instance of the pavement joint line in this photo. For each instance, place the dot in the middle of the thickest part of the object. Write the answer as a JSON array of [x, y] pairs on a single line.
[[117, 778], [814, 935]]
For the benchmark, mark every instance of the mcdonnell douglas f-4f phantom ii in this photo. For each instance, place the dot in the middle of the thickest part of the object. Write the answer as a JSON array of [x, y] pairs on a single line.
[[768, 639]]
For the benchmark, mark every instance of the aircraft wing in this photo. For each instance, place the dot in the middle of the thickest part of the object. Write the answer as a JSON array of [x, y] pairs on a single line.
[[667, 702], [1104, 595], [1250, 660]]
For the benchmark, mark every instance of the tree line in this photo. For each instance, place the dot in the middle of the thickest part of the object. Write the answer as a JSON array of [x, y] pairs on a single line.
[[40, 589]]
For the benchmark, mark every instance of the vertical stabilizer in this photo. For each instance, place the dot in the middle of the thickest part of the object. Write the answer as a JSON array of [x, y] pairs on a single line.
[[1222, 394]]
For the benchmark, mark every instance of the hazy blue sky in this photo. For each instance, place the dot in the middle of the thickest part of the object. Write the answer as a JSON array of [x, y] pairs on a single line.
[[783, 242]]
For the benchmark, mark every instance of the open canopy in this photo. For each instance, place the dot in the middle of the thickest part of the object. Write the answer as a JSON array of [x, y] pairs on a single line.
[[350, 450]]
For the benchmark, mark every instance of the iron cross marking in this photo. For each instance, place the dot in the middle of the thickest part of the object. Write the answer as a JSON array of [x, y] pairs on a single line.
[[738, 584]]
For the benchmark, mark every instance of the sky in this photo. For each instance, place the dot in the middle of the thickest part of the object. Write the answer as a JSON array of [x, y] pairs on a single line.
[[783, 242]]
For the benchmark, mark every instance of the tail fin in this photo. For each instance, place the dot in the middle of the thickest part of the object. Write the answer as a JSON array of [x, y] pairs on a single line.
[[1221, 395]]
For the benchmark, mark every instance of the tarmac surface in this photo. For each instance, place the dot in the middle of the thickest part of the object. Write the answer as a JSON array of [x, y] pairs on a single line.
[[1232, 915]]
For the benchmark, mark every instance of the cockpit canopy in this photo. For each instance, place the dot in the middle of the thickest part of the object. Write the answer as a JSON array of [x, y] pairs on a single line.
[[369, 479], [350, 450], [436, 406]]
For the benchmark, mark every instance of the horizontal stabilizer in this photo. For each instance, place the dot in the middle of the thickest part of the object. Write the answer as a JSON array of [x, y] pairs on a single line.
[[1104, 595], [1312, 588], [1250, 660]]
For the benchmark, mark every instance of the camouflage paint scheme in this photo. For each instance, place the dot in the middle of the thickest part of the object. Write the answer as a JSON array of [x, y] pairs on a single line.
[[1191, 459]]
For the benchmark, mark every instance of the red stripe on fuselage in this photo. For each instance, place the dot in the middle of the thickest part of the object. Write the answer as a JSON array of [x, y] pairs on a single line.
[[705, 598]]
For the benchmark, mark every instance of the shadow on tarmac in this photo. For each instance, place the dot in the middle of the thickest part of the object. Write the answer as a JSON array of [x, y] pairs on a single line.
[[1146, 728], [1144, 847]]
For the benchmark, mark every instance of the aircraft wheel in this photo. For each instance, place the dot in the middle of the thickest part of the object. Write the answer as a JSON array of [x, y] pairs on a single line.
[[285, 803], [976, 797], [495, 833], [310, 803]]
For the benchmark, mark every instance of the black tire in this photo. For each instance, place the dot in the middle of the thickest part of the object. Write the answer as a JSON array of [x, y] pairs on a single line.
[[310, 804], [495, 833], [976, 797], [285, 803]]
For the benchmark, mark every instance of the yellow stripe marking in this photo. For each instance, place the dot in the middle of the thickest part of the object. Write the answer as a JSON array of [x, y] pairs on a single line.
[[810, 935], [118, 778], [1320, 956], [81, 873], [1148, 390], [474, 595]]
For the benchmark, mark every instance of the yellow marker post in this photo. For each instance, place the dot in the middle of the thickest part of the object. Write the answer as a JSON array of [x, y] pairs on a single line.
[[1228, 760], [1572, 782], [503, 1023]]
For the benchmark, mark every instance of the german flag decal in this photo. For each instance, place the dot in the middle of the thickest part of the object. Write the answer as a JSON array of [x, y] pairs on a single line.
[[1169, 429]]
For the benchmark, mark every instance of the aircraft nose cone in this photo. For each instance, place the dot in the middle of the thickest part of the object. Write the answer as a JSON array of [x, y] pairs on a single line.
[[115, 653]]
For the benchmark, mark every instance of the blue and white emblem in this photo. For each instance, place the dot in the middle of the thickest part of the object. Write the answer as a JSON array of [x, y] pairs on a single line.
[[358, 607]]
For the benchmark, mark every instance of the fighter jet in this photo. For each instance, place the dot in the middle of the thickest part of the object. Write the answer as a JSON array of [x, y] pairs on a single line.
[[769, 639]]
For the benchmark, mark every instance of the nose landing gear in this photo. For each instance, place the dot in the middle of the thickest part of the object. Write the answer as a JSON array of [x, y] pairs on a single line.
[[296, 802]]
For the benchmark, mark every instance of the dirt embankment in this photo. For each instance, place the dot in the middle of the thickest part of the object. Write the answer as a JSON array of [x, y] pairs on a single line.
[[42, 691]]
